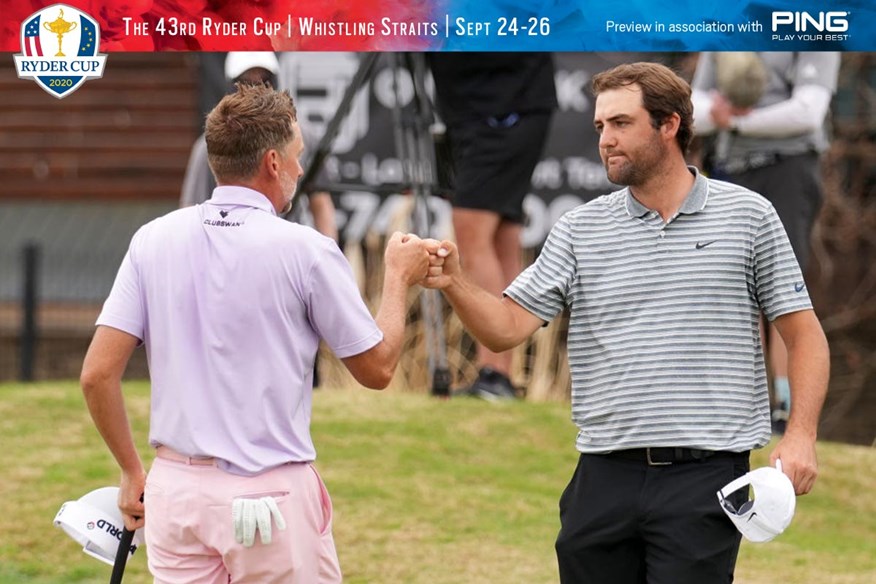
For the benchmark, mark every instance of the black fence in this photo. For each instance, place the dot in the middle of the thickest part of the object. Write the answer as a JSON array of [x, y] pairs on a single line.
[[49, 301]]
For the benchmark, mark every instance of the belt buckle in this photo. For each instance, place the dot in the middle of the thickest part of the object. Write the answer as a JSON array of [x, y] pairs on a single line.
[[654, 462]]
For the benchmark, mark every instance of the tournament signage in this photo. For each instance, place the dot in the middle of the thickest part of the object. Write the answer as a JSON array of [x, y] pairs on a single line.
[[59, 47], [451, 25]]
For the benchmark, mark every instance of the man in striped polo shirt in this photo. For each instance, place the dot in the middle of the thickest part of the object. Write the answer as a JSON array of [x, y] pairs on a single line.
[[665, 280]]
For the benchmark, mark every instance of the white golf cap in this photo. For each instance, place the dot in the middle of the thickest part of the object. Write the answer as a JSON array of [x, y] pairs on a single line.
[[95, 522], [237, 62], [770, 512]]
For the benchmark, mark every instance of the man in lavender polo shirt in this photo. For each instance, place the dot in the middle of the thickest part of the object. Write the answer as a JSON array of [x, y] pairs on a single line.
[[230, 302]]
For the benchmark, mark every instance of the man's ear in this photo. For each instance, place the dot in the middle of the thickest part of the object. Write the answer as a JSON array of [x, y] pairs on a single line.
[[671, 124], [271, 163]]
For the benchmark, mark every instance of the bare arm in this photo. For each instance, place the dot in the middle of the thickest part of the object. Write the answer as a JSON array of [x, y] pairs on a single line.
[[805, 111], [323, 210], [406, 261], [101, 381], [498, 323], [809, 370]]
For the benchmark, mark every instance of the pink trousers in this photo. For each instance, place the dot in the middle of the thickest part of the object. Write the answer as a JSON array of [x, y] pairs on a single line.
[[190, 534]]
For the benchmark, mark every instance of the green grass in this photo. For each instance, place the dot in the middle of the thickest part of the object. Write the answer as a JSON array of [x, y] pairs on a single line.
[[425, 491]]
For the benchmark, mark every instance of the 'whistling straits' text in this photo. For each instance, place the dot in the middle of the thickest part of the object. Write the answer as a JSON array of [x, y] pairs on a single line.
[[308, 26]]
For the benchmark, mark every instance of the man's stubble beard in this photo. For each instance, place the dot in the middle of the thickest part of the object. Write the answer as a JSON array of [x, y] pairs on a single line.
[[289, 186], [634, 174]]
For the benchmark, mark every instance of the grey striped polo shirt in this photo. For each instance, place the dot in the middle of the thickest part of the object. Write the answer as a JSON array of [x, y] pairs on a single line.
[[664, 344]]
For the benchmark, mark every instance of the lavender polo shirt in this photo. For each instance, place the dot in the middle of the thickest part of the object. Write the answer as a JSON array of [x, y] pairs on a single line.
[[231, 302]]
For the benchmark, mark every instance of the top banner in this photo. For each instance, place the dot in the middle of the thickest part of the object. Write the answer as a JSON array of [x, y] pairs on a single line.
[[450, 25]]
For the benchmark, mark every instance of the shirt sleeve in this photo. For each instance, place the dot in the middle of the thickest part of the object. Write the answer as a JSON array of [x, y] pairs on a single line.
[[335, 306], [804, 112], [543, 287], [701, 86], [813, 80], [778, 279], [817, 68], [124, 309], [197, 183]]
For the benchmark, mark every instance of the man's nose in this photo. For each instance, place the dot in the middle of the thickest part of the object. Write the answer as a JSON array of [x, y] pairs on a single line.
[[606, 138]]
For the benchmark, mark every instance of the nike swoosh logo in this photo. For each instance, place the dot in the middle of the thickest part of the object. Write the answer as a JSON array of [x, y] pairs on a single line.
[[702, 245], [799, 287]]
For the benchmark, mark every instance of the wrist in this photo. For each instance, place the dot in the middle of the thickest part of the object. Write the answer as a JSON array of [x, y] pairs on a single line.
[[394, 281], [801, 432], [733, 124], [456, 283], [133, 470]]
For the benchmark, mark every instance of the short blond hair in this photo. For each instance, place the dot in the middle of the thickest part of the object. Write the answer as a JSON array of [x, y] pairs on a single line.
[[245, 125]]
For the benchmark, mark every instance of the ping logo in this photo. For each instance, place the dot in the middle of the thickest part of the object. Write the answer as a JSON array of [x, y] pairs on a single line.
[[804, 21], [59, 49]]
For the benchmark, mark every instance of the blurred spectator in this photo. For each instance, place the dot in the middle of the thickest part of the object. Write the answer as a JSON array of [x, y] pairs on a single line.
[[257, 67], [497, 108], [769, 113]]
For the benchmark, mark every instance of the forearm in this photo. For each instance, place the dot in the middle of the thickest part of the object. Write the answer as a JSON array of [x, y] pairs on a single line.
[[486, 316], [391, 317], [323, 210], [804, 112], [107, 408], [809, 371]]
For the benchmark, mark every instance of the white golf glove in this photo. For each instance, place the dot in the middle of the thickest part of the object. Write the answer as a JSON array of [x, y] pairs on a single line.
[[251, 514]]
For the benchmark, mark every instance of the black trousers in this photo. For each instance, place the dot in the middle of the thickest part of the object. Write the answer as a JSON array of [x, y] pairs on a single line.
[[625, 522]]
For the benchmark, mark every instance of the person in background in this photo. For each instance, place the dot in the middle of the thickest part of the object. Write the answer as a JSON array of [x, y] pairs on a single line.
[[252, 67], [664, 280], [230, 302], [770, 143], [497, 109]]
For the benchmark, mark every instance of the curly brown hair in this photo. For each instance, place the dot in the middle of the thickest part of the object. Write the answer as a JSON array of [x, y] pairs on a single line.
[[245, 125], [663, 94]]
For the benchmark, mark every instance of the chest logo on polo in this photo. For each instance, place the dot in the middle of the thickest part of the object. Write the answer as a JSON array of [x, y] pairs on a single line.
[[701, 245], [799, 286]]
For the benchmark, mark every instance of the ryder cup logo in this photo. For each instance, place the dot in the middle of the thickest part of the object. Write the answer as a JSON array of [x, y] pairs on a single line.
[[59, 49]]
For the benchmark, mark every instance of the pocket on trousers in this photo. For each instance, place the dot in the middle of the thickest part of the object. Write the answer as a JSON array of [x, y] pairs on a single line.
[[740, 468], [154, 498], [325, 503], [570, 487], [278, 496]]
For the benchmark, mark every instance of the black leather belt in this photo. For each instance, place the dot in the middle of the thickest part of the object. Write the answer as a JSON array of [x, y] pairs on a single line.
[[668, 455]]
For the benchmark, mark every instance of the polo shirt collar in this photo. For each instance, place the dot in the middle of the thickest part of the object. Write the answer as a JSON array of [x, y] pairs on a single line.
[[694, 202], [242, 196]]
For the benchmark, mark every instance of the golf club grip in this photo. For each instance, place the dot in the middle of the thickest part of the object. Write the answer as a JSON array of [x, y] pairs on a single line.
[[121, 556]]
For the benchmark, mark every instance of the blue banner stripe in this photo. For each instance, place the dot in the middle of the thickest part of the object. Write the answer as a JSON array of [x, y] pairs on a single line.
[[661, 25], [88, 39]]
